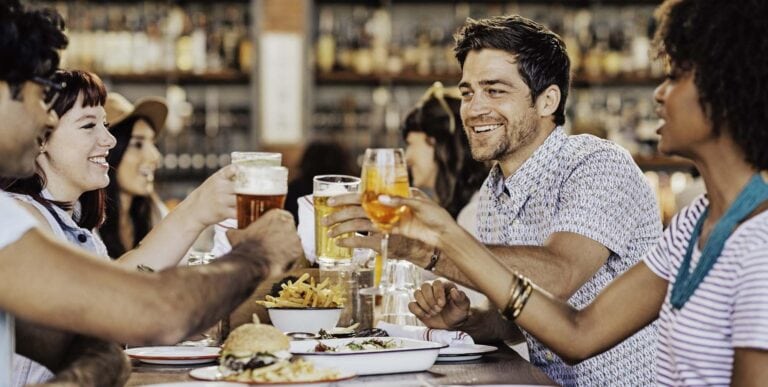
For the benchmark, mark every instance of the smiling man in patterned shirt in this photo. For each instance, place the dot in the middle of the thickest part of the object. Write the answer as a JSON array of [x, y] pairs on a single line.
[[569, 212]]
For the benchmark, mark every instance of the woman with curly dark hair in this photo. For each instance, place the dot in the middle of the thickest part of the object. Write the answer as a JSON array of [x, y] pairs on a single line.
[[439, 160], [706, 281]]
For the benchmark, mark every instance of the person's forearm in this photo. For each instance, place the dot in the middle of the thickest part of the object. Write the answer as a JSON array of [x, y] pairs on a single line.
[[155, 251], [207, 298], [96, 298], [534, 262], [94, 362], [487, 326]]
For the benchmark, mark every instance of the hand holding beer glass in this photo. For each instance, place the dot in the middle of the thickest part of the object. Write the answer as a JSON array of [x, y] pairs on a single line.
[[325, 186], [259, 189], [384, 173]]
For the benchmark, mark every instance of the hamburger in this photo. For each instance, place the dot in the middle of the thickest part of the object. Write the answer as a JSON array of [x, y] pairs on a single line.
[[253, 349]]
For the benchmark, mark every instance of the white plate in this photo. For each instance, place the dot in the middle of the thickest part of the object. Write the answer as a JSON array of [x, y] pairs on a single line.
[[197, 384], [410, 356], [212, 373], [464, 352], [174, 355]]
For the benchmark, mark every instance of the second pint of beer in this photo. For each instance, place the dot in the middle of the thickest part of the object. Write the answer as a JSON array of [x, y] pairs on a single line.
[[326, 186], [259, 189]]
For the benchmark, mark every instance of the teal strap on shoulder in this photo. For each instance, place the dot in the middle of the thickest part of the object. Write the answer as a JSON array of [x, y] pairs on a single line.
[[687, 281]]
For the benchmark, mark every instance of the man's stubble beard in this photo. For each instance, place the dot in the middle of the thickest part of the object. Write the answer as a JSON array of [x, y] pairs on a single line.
[[526, 132]]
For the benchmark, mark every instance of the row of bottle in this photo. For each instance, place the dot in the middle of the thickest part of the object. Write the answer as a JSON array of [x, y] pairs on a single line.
[[200, 149], [364, 117], [603, 42], [157, 37]]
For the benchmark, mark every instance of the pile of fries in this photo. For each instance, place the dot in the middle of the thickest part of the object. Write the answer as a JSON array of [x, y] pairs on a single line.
[[307, 294], [298, 370]]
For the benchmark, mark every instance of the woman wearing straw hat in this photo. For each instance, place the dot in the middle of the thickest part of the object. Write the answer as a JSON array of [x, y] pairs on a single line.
[[133, 208]]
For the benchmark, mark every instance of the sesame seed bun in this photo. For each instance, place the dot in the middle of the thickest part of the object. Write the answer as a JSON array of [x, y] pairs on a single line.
[[249, 339]]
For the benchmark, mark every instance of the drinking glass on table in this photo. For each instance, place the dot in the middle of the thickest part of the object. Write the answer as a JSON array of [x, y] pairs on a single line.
[[384, 173], [212, 337], [259, 189]]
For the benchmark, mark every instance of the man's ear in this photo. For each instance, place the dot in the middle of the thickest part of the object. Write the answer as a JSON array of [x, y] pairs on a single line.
[[5, 92], [548, 100]]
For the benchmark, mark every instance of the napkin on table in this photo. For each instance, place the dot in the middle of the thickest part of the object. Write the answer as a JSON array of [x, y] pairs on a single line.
[[443, 336]]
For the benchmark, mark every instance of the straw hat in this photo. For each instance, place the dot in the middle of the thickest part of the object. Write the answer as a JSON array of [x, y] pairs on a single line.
[[154, 109]]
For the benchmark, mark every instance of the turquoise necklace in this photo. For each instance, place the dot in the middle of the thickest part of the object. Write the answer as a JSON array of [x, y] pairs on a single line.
[[687, 281]]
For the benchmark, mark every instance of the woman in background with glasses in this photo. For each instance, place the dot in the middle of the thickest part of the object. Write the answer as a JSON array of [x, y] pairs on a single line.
[[438, 156]]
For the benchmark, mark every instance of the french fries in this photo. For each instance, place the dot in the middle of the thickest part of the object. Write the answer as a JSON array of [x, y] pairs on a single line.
[[298, 370], [305, 293]]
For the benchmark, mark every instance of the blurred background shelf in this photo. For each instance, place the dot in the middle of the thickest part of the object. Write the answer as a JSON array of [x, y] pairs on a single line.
[[222, 77], [414, 78]]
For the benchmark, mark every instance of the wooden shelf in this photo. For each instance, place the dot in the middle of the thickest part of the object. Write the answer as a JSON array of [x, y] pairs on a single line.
[[226, 77], [413, 78], [405, 78], [659, 162], [569, 3]]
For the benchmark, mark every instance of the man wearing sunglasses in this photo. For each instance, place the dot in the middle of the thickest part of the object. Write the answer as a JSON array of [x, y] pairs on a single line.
[[47, 282]]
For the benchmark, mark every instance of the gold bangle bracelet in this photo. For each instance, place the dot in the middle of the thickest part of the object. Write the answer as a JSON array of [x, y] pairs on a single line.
[[523, 301], [517, 289]]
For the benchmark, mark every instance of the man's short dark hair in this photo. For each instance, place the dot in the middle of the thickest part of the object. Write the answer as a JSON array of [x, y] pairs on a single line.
[[541, 56], [29, 43], [723, 43]]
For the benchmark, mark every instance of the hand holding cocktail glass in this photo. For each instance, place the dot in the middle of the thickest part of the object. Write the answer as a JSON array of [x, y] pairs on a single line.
[[384, 173]]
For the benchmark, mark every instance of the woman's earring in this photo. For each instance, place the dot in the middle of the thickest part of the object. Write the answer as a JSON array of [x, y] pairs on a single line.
[[42, 149]]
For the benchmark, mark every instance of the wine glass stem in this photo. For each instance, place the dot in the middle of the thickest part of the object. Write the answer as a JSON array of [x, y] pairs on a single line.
[[384, 249]]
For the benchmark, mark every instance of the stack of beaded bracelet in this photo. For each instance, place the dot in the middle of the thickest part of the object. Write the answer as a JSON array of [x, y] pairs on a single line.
[[518, 297]]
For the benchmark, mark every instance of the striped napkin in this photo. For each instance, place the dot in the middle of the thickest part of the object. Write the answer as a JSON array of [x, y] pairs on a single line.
[[442, 336]]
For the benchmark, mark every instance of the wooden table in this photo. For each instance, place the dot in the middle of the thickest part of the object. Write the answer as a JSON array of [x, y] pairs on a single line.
[[502, 367]]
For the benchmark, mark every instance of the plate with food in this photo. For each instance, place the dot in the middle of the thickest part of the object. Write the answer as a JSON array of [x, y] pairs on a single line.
[[464, 352], [174, 355], [370, 355], [260, 354]]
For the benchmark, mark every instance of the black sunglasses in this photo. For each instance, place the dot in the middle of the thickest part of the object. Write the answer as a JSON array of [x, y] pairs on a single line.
[[51, 89]]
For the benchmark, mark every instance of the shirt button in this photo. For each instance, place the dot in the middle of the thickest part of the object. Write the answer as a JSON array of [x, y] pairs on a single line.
[[549, 356]]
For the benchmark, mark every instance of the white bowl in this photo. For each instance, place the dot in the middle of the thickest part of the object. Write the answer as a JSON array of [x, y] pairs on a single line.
[[310, 320]]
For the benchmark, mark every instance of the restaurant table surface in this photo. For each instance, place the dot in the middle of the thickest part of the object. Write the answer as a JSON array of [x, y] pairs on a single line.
[[502, 367]]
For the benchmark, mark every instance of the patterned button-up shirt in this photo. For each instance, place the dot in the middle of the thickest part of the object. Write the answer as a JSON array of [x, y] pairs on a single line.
[[592, 187]]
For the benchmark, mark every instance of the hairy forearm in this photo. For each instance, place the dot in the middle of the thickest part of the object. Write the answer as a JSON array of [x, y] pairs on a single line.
[[93, 362], [534, 262], [92, 297], [209, 297]]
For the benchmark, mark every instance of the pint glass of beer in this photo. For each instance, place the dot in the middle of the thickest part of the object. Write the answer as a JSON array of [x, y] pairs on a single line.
[[325, 186], [259, 189]]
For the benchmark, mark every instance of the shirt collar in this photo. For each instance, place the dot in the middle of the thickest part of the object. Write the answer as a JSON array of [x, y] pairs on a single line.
[[533, 174]]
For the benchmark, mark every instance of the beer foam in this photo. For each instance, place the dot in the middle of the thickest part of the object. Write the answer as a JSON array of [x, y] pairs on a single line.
[[332, 190], [261, 181]]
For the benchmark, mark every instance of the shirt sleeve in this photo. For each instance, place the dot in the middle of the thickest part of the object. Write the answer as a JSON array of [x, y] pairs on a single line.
[[14, 221], [750, 314], [603, 199], [306, 228], [657, 258]]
